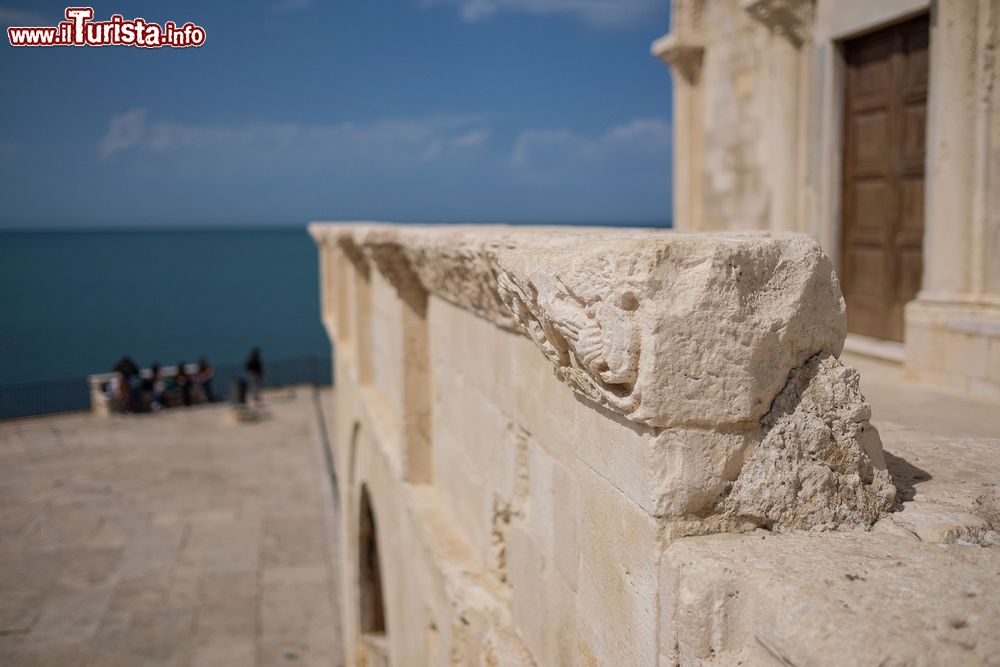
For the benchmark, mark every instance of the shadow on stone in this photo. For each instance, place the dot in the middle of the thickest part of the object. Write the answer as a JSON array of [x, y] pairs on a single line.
[[905, 476]]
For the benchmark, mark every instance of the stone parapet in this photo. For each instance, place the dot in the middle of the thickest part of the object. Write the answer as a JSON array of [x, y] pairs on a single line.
[[541, 412], [653, 325]]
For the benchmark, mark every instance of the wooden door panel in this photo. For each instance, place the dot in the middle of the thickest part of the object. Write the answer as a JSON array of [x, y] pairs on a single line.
[[911, 227], [872, 68], [916, 41], [872, 199], [914, 143], [869, 269], [884, 154], [871, 137]]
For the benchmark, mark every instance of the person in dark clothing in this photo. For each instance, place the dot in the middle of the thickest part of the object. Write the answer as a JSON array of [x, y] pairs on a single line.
[[131, 384], [204, 377], [156, 386], [126, 367], [255, 369], [183, 381]]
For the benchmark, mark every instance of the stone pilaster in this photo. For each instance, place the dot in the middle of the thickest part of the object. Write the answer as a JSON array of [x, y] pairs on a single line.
[[953, 327]]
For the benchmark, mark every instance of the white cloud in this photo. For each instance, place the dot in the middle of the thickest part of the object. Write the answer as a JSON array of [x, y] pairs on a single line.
[[124, 132], [473, 138], [632, 155], [599, 13], [547, 156], [10, 16], [393, 141]]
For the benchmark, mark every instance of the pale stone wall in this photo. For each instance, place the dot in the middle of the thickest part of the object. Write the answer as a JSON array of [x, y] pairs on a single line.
[[758, 100], [734, 170], [545, 412]]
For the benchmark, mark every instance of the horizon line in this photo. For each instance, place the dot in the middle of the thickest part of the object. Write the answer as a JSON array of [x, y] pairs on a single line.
[[285, 227]]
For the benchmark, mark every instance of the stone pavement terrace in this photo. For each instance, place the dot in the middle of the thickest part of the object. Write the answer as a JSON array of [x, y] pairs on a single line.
[[174, 538]]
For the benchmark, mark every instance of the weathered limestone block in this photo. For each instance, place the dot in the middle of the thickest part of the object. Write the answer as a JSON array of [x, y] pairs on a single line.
[[828, 599], [942, 524], [687, 331], [819, 463], [617, 582], [667, 329], [705, 344]]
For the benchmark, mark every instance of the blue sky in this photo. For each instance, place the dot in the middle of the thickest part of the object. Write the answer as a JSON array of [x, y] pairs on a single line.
[[298, 110]]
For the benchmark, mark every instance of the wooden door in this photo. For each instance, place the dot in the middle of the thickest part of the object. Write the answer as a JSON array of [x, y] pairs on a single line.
[[883, 199]]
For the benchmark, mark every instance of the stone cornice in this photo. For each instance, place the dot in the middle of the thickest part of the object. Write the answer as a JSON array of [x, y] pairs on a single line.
[[665, 328], [790, 18], [683, 55]]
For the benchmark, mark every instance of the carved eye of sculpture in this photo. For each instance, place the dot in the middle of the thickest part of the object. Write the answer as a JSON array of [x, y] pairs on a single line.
[[628, 301]]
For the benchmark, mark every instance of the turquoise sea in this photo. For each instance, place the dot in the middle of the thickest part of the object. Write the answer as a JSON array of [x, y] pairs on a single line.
[[72, 303]]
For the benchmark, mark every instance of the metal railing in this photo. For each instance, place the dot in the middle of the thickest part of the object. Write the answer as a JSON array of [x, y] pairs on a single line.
[[70, 395], [40, 398]]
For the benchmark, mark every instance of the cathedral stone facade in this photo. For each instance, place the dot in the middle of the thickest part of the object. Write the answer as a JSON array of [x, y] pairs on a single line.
[[872, 125]]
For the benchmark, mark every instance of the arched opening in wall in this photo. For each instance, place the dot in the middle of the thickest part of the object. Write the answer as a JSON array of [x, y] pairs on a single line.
[[374, 647]]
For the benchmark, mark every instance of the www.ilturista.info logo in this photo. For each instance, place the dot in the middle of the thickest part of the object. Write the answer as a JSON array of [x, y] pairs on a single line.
[[79, 29]]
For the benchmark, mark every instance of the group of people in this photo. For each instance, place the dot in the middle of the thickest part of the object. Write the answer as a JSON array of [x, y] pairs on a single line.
[[136, 391]]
